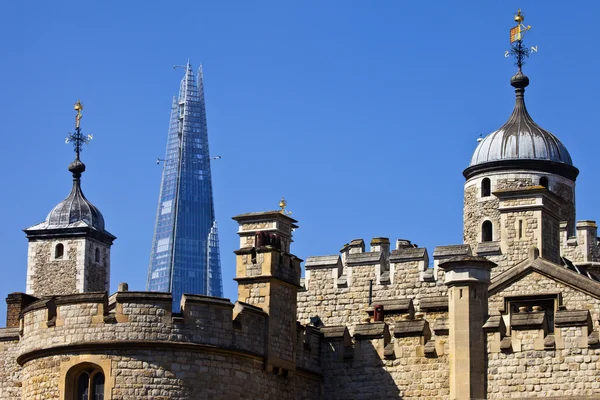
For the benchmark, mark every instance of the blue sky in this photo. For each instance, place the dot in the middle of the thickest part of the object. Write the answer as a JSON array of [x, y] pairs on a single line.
[[362, 114]]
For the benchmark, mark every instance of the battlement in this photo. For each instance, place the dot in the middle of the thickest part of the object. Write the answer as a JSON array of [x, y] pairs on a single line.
[[142, 317], [584, 246], [388, 266]]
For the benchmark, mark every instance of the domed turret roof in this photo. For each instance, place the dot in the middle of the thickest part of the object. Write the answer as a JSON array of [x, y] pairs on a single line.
[[521, 143], [75, 211]]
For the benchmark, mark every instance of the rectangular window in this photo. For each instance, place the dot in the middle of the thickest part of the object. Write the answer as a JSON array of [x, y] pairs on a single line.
[[167, 207], [162, 245]]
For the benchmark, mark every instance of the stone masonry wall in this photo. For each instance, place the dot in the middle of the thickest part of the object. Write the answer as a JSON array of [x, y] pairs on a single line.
[[476, 209], [97, 274], [161, 374], [347, 305], [10, 371], [367, 374], [202, 354], [568, 372], [43, 269]]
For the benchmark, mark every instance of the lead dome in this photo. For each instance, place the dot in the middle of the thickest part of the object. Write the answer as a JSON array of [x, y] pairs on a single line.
[[521, 143]]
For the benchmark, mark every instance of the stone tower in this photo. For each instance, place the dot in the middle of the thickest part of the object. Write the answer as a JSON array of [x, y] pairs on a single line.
[[467, 279], [520, 187], [70, 251], [268, 277]]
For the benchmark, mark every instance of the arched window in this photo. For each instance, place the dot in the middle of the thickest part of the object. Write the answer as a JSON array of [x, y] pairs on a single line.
[[486, 187], [89, 385], [97, 255], [544, 182], [59, 251], [486, 231]]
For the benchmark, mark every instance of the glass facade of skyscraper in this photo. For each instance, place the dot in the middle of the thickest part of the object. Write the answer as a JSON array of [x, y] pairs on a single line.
[[185, 247]]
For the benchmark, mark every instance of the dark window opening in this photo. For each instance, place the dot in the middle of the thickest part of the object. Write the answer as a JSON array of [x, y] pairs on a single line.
[[486, 187], [59, 251], [544, 182], [520, 234], [90, 385], [486, 231], [97, 255]]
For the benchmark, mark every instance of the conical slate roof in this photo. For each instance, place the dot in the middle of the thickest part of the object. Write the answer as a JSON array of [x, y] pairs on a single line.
[[521, 144]]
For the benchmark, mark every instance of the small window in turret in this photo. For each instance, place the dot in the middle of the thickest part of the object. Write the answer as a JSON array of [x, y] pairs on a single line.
[[97, 255], [486, 187], [486, 231], [59, 251], [544, 182]]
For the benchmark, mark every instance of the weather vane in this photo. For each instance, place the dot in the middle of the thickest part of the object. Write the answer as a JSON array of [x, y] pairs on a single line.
[[283, 205], [517, 50], [77, 138]]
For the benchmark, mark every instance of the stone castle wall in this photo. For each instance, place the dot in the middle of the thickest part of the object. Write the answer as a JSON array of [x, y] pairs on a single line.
[[10, 371], [209, 348], [404, 356], [562, 359], [171, 374]]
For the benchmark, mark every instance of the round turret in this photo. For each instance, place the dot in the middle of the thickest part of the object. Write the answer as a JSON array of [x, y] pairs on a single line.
[[509, 168]]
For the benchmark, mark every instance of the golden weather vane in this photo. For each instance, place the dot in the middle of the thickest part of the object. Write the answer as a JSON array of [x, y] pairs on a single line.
[[517, 50], [518, 31], [77, 138]]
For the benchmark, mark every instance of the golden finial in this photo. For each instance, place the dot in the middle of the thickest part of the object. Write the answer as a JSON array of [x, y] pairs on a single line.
[[519, 17], [283, 205], [78, 107]]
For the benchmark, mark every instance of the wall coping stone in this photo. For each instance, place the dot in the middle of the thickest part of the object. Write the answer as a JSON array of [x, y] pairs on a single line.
[[240, 306], [436, 303], [128, 297], [408, 254], [315, 262], [368, 258], [494, 323], [411, 327], [441, 327], [78, 298], [452, 250], [265, 215], [393, 306], [528, 320], [9, 334], [374, 330], [202, 299], [334, 332], [572, 318]]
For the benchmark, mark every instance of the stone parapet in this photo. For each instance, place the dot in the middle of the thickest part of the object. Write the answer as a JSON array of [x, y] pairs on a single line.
[[139, 318]]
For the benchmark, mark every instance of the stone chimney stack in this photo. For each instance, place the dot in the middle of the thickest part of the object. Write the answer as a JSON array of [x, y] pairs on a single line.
[[268, 277], [467, 278]]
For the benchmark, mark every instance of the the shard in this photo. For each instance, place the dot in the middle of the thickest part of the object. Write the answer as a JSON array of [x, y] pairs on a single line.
[[185, 247]]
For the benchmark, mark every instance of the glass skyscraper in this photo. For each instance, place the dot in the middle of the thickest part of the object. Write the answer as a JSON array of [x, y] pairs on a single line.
[[185, 247]]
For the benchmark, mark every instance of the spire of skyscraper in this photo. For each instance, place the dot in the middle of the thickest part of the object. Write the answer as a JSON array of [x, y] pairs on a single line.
[[185, 247]]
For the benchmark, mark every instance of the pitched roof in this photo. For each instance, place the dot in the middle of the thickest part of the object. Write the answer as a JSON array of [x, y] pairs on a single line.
[[553, 271]]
